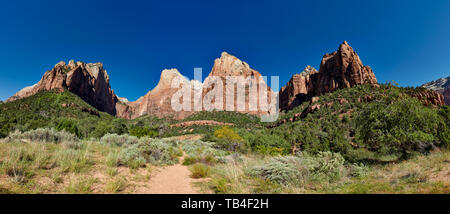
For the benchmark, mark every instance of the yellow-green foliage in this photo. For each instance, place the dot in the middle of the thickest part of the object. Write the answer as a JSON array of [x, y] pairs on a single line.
[[226, 133], [228, 138]]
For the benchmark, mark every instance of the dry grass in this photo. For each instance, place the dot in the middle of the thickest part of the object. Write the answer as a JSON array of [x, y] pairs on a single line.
[[53, 168], [422, 175], [27, 167]]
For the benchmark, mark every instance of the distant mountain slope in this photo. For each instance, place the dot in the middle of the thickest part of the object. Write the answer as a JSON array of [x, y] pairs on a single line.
[[338, 70], [442, 86], [88, 81], [48, 109]]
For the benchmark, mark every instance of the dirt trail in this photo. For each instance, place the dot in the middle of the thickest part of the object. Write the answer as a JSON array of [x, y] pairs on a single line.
[[173, 179]]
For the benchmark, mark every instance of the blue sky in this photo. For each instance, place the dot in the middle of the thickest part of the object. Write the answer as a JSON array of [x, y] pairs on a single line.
[[405, 41]]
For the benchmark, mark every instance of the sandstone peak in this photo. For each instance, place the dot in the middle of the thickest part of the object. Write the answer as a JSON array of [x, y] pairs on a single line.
[[308, 71], [88, 81], [299, 88], [61, 63], [170, 73], [166, 78], [340, 69], [229, 65]]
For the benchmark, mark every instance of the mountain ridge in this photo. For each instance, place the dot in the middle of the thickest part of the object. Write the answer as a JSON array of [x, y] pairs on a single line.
[[340, 69]]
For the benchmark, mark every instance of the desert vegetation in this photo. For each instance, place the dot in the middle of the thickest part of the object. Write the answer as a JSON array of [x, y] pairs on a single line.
[[363, 139]]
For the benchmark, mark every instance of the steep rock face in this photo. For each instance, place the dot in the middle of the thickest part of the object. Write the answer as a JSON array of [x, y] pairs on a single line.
[[230, 67], [89, 81], [441, 86], [157, 101], [340, 69], [299, 89]]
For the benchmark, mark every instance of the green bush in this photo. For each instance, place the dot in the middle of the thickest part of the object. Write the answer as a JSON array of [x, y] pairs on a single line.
[[283, 170], [143, 131], [43, 135], [147, 150], [69, 126], [228, 139], [400, 127], [265, 142], [202, 152], [301, 168], [119, 140]]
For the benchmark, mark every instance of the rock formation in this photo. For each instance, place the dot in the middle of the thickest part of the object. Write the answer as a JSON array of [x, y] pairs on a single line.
[[235, 73], [340, 69], [428, 97], [89, 81], [299, 89], [158, 101], [441, 86]]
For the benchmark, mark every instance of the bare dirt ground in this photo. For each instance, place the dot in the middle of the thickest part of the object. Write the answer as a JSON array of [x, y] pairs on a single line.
[[173, 179]]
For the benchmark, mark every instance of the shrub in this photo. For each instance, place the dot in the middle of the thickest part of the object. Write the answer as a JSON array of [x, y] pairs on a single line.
[[359, 170], [118, 127], [43, 135], [266, 150], [202, 152], [283, 170], [400, 127], [228, 139], [301, 168], [119, 140], [265, 142], [327, 165], [101, 129], [143, 131], [147, 150], [69, 126]]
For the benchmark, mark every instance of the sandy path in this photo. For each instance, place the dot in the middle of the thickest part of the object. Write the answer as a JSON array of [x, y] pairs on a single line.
[[173, 179]]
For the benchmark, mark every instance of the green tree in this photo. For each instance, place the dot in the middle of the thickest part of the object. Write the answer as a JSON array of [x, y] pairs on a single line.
[[143, 131], [69, 126], [400, 127]]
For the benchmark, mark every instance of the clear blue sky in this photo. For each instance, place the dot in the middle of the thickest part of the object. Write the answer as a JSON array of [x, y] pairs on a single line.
[[405, 41]]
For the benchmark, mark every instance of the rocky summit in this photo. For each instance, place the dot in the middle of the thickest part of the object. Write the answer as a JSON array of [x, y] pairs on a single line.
[[340, 69], [298, 89], [228, 66], [88, 81], [157, 102]]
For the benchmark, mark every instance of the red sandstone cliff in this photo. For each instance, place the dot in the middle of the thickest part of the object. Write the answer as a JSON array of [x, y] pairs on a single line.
[[89, 81]]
